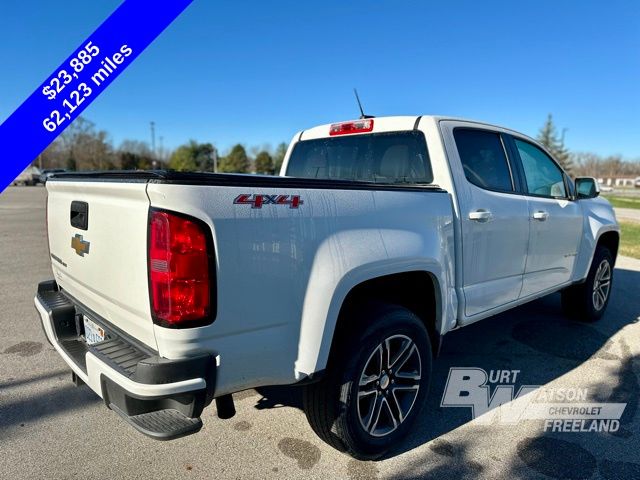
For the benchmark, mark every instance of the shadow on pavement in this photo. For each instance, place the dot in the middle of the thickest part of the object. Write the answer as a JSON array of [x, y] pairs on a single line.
[[11, 383], [37, 407]]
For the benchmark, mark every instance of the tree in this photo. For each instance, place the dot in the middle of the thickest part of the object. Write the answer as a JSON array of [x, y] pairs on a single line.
[[71, 164], [182, 159], [278, 156], [548, 137], [193, 156], [86, 148], [236, 162], [204, 154], [264, 163], [52, 157], [134, 155], [592, 165]]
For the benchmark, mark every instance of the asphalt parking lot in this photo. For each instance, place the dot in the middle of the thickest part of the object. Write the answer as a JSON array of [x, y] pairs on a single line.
[[52, 429]]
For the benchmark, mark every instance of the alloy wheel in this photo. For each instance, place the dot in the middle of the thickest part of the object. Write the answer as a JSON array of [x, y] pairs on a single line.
[[389, 385], [601, 285]]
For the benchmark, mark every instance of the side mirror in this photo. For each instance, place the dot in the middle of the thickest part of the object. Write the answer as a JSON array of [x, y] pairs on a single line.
[[587, 187]]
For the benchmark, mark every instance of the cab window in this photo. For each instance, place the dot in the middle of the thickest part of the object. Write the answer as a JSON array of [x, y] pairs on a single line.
[[543, 176], [483, 159]]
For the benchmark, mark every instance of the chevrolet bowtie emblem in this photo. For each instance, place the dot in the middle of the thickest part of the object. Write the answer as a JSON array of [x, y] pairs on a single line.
[[79, 245]]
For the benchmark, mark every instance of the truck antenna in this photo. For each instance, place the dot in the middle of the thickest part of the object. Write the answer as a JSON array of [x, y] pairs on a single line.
[[362, 115]]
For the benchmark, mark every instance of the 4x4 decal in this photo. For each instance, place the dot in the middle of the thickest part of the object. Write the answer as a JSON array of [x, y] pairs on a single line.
[[258, 200]]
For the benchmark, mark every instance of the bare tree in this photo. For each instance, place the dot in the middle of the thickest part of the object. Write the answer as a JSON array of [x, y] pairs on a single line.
[[613, 166], [85, 148]]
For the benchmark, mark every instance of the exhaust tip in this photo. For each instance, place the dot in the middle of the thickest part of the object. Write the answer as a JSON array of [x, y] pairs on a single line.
[[225, 407]]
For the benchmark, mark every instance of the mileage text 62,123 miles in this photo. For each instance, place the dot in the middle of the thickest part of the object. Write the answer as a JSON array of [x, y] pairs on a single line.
[[76, 98]]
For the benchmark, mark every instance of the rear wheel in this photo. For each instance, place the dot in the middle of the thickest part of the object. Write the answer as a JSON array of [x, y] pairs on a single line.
[[374, 387], [588, 301]]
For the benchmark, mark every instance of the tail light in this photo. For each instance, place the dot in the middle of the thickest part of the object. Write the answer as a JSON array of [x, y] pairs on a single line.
[[358, 126], [179, 270]]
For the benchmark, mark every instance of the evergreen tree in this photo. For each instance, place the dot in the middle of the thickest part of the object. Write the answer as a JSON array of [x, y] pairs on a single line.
[[182, 159], [236, 162], [264, 163], [278, 157], [548, 137], [193, 156]]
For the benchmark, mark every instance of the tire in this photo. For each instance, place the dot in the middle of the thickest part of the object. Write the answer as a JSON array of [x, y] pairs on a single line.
[[588, 301], [332, 405]]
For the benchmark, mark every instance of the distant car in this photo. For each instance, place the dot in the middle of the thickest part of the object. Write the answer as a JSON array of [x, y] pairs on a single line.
[[605, 188], [44, 176], [636, 183], [27, 177]]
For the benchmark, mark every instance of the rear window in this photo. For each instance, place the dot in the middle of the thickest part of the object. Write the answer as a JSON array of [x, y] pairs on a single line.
[[396, 157]]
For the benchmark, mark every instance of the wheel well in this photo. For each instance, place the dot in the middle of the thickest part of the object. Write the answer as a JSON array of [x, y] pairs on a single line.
[[611, 240], [415, 291]]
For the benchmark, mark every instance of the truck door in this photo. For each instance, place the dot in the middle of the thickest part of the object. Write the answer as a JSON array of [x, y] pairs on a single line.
[[556, 221], [494, 216]]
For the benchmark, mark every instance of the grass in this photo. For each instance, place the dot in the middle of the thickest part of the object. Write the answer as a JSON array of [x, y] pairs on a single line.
[[624, 202], [630, 239]]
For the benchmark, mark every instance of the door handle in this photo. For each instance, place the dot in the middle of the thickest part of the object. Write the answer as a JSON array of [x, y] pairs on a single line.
[[540, 215], [480, 215]]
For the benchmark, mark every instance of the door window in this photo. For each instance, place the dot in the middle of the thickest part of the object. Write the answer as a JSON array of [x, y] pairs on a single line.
[[543, 176], [483, 159]]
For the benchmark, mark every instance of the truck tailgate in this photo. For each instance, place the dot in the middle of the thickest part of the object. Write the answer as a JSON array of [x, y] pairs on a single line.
[[103, 264]]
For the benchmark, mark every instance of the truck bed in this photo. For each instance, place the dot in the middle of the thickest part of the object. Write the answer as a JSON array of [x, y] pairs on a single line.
[[232, 180], [281, 270]]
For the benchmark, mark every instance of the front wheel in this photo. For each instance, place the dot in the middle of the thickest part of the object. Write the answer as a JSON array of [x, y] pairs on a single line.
[[588, 301], [375, 386]]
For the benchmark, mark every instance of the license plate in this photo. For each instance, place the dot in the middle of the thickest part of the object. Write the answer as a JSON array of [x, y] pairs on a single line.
[[93, 333]]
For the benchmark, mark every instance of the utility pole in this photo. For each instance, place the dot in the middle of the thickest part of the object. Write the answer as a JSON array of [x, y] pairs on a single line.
[[161, 149], [153, 144]]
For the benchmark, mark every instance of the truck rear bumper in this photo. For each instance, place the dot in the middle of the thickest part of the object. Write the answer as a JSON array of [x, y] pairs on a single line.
[[162, 398]]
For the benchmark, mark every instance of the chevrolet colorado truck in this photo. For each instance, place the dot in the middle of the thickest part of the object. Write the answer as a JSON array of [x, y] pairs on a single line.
[[341, 275]]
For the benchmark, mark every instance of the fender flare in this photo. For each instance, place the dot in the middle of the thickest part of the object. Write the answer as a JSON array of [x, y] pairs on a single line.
[[315, 342]]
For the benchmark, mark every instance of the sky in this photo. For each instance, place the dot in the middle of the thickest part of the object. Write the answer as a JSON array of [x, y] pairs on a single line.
[[256, 72]]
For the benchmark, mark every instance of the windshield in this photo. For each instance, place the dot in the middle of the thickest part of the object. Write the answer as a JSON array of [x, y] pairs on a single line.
[[395, 157]]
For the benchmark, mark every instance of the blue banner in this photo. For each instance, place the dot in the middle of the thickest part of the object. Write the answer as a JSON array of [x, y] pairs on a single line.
[[80, 79]]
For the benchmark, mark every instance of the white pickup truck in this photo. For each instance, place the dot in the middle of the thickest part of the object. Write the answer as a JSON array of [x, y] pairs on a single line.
[[341, 275]]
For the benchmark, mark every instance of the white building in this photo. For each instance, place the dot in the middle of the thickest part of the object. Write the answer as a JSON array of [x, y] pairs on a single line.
[[619, 182]]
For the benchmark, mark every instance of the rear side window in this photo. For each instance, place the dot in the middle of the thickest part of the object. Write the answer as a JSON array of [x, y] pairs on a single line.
[[483, 159], [543, 176], [395, 157]]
